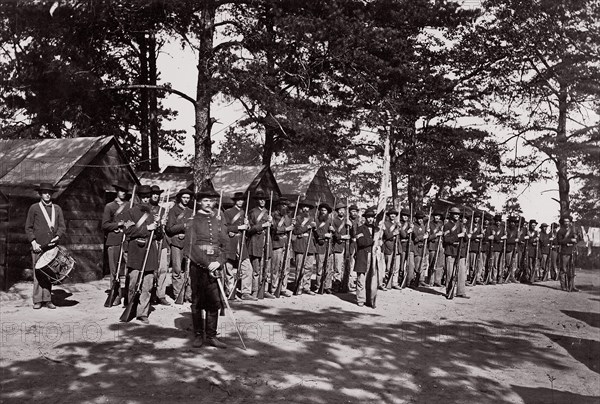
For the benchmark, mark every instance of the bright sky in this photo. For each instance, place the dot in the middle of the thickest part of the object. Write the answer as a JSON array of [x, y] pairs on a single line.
[[178, 67]]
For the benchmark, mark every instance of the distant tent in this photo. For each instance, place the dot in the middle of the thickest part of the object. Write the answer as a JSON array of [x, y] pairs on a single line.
[[232, 179], [83, 171], [305, 180], [169, 182]]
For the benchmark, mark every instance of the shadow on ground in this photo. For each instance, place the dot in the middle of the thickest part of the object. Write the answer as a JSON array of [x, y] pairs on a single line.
[[295, 356], [592, 319], [549, 396]]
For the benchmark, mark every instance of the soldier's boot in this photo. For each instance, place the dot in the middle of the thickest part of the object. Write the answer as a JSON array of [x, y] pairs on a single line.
[[562, 279]]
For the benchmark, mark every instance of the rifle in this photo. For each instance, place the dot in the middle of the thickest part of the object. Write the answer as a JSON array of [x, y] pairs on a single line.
[[502, 268], [390, 280], [549, 257], [327, 252], [345, 287], [405, 262], [478, 255], [130, 311], [160, 243], [437, 249], [524, 269], [535, 258], [186, 273], [300, 272], [116, 285], [425, 239], [265, 261], [514, 252], [453, 281], [238, 274], [288, 245], [469, 242]]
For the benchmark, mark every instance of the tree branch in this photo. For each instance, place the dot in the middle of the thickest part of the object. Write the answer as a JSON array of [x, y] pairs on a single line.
[[152, 87]]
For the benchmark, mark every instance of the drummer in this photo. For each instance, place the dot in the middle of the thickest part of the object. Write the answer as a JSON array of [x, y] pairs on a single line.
[[44, 226]]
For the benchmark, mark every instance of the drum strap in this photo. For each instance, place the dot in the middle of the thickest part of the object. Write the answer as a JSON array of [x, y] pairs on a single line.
[[52, 221]]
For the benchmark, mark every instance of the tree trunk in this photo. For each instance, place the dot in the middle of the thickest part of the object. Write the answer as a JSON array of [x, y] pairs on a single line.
[[203, 122], [153, 103], [560, 157], [145, 155], [269, 146], [270, 125]]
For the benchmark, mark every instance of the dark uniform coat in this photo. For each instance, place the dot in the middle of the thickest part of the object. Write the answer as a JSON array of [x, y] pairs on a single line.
[[36, 226], [341, 228], [301, 231], [452, 240], [364, 242], [139, 238], [257, 234], [175, 227], [235, 217], [113, 213]]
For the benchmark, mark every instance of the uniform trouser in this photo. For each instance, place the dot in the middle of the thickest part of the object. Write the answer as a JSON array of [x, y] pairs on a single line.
[[419, 271], [462, 273], [361, 293], [204, 297], [112, 252], [161, 275], [337, 267], [554, 263], [512, 263], [494, 265], [532, 266], [246, 276], [177, 275], [393, 272], [351, 273], [42, 287], [436, 265], [143, 307], [308, 270], [544, 264], [410, 267], [276, 267], [257, 263], [476, 264], [320, 264]]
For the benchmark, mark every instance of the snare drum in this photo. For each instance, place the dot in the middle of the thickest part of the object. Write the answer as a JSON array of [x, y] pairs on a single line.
[[56, 264]]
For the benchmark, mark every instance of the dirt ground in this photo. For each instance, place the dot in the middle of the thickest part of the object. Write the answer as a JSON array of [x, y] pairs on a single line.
[[508, 344]]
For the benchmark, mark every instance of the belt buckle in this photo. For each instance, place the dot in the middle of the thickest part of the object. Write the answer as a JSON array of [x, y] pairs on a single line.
[[210, 250]]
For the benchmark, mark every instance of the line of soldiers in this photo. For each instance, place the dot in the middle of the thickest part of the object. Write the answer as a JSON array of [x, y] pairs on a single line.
[[253, 251]]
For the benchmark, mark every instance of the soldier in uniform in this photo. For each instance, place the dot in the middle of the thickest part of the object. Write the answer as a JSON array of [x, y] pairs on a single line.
[[260, 223], [482, 243], [554, 251], [530, 251], [407, 255], [113, 225], [473, 264], [323, 235], [497, 237], [566, 238], [512, 247], [141, 224], [365, 238], [44, 226], [237, 223], [163, 253], [355, 221], [341, 237], [435, 247], [175, 229], [419, 235], [283, 225], [391, 230], [454, 231], [207, 251], [303, 227], [544, 250]]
